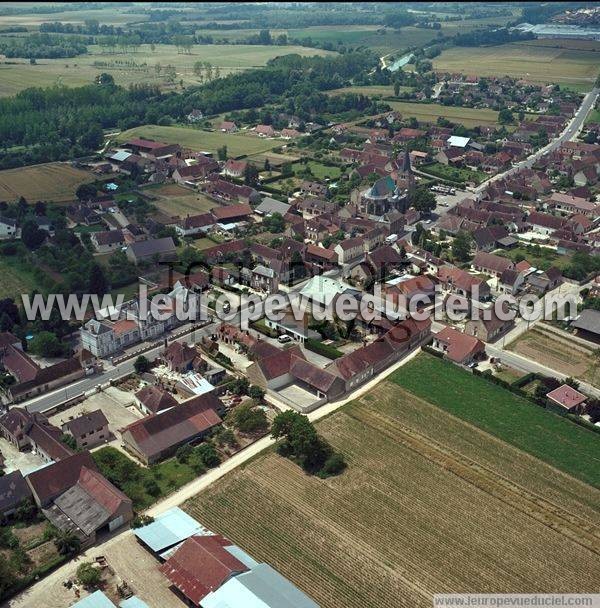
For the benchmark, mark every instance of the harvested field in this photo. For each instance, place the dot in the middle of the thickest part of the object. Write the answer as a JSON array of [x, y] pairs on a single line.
[[428, 504], [558, 353], [54, 182], [535, 62], [173, 199], [430, 112]]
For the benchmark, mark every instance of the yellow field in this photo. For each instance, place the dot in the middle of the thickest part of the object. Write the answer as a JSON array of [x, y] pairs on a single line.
[[173, 199], [429, 112], [54, 182], [534, 62], [428, 504]]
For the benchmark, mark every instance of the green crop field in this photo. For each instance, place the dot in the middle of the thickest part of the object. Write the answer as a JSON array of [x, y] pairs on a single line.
[[83, 69], [534, 62], [55, 182], [399, 508], [16, 279], [204, 141], [429, 112], [454, 174], [555, 440]]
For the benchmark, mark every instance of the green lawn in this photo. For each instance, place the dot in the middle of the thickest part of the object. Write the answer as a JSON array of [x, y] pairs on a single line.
[[81, 70], [135, 480], [209, 141], [203, 243], [17, 279], [371, 91], [537, 256], [454, 174], [593, 116], [556, 440], [319, 170]]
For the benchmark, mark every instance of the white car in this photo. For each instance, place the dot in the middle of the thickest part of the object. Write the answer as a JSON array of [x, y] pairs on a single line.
[[284, 338]]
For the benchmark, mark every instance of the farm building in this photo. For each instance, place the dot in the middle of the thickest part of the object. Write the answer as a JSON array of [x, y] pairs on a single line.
[[587, 325], [158, 436], [88, 430], [169, 529]]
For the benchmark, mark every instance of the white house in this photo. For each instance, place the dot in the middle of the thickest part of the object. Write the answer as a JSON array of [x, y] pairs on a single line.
[[8, 228]]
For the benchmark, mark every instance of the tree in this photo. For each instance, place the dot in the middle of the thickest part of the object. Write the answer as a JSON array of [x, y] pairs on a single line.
[[98, 283], [69, 441], [141, 365], [572, 383], [250, 175], [26, 510], [240, 386], [183, 453], [208, 455], [222, 153], [85, 191], [105, 80], [46, 344], [274, 223], [300, 441], [334, 465], [32, 236], [88, 575], [141, 520], [7, 577], [256, 392], [505, 116], [593, 410], [461, 246], [396, 88], [247, 418], [151, 487], [423, 200], [225, 437], [67, 543]]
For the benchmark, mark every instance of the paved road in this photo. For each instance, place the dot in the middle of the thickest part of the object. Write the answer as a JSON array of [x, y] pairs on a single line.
[[527, 365], [111, 372], [570, 132]]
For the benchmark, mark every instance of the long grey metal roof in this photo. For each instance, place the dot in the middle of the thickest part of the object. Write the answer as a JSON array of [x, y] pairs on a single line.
[[168, 529]]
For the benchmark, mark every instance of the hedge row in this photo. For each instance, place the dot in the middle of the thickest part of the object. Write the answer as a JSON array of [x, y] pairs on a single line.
[[323, 349], [510, 386], [432, 351]]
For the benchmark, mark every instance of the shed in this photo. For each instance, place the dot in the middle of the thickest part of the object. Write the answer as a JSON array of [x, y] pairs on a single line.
[[172, 527], [95, 600]]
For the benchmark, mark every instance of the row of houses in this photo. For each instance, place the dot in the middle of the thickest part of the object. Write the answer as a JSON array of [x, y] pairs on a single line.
[[30, 378]]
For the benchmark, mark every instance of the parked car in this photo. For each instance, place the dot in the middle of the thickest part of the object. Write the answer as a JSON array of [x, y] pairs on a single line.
[[284, 338]]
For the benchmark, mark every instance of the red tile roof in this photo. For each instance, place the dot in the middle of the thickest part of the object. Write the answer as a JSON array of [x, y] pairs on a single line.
[[159, 432], [103, 492], [50, 481], [461, 347], [155, 399], [566, 396], [231, 211]]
